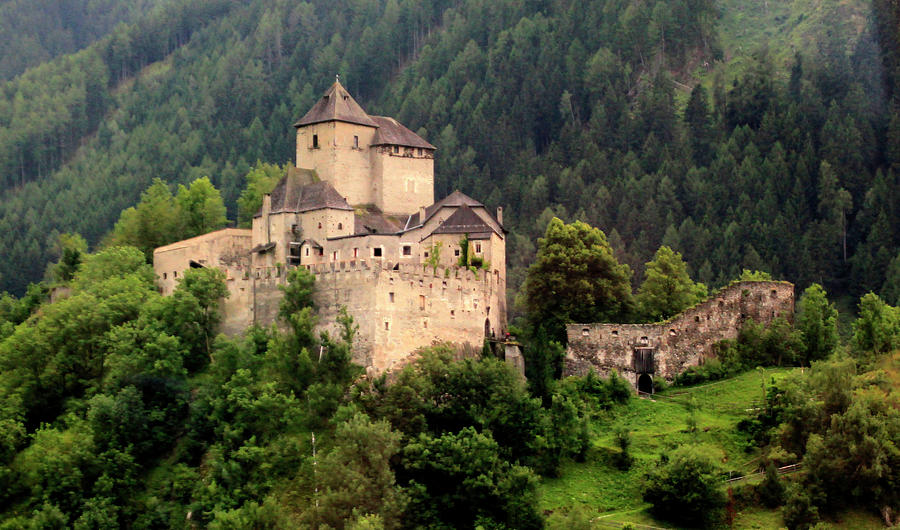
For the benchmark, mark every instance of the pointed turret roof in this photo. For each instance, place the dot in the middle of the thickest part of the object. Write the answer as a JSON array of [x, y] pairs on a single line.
[[336, 105]]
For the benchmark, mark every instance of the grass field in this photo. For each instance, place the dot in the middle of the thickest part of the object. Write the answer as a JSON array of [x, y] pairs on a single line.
[[612, 497], [657, 426]]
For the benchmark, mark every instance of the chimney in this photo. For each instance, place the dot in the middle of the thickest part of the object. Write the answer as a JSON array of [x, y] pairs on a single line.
[[421, 215], [500, 215]]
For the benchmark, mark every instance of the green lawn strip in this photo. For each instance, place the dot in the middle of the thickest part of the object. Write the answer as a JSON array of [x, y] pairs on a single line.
[[657, 426]]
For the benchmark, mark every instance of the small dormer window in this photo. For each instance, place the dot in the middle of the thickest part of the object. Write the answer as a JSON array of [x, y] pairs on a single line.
[[315, 141], [396, 149]]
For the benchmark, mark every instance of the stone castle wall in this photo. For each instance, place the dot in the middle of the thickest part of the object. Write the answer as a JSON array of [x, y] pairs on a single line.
[[398, 308], [681, 342]]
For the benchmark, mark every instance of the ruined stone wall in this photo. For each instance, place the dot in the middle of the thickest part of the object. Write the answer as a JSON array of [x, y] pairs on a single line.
[[226, 249], [681, 342]]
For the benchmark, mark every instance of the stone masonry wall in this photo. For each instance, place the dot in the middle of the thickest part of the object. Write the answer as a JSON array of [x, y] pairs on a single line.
[[397, 311], [681, 342]]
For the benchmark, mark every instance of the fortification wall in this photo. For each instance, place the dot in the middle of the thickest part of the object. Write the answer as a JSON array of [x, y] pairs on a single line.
[[681, 342], [398, 307]]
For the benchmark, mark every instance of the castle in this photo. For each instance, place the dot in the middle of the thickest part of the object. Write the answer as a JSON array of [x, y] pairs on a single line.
[[358, 212], [641, 352]]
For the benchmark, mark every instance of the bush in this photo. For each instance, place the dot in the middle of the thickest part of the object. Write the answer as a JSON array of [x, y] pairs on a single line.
[[686, 490]]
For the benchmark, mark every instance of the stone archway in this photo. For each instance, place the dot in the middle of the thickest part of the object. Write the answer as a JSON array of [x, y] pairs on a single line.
[[645, 384]]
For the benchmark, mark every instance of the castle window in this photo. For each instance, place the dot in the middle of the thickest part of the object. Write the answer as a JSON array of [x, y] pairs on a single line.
[[307, 251], [376, 252], [356, 142], [422, 302], [426, 253], [697, 319], [387, 326], [672, 332], [334, 255], [420, 151], [425, 324], [175, 274], [355, 252], [478, 247], [456, 252], [615, 333], [396, 149], [407, 250], [320, 225], [164, 276], [315, 141], [774, 293], [321, 251], [391, 297], [340, 226], [452, 312], [585, 332]]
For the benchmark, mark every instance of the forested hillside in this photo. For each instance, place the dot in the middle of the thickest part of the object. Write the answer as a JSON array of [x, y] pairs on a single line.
[[608, 112], [35, 31]]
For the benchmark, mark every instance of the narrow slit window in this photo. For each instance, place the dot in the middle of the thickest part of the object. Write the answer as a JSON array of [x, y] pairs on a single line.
[[315, 141]]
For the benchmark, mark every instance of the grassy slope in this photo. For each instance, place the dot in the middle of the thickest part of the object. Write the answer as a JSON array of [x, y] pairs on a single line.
[[659, 425], [785, 26]]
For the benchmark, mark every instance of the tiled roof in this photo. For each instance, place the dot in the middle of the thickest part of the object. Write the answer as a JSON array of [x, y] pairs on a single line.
[[457, 198], [336, 105], [392, 132], [464, 221], [293, 195]]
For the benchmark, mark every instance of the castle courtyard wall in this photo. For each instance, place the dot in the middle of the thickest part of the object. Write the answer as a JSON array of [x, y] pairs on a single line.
[[681, 342]]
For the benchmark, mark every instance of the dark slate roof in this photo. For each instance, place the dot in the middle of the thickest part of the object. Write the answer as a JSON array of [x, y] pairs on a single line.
[[464, 221], [311, 242], [392, 132], [373, 221], [293, 194], [336, 105], [455, 199], [262, 248]]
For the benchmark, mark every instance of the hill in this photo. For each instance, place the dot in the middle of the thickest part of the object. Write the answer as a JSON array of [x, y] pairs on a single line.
[[571, 109]]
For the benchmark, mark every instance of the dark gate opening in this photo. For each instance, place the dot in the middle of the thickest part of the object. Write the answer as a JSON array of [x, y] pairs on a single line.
[[645, 384]]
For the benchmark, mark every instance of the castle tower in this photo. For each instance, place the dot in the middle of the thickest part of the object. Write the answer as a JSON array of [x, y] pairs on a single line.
[[370, 160]]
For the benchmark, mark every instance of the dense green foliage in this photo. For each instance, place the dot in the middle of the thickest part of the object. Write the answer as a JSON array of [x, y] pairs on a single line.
[[685, 488], [667, 289], [555, 108]]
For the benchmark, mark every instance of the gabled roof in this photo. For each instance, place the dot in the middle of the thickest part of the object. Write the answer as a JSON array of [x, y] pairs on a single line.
[[464, 221], [336, 105], [392, 132], [455, 199], [296, 194]]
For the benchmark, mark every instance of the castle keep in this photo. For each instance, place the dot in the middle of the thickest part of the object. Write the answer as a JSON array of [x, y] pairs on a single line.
[[641, 352], [358, 211]]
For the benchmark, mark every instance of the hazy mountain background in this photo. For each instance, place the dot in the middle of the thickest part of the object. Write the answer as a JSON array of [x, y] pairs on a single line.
[[784, 159]]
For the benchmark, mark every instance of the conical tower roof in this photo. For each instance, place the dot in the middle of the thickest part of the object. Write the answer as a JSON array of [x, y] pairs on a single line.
[[336, 105]]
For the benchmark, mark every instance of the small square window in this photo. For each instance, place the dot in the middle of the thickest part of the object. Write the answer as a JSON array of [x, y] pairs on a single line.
[[376, 252], [426, 253], [456, 252], [407, 250]]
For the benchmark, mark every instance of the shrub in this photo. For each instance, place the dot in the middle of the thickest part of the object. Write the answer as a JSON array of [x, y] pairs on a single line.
[[686, 489]]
